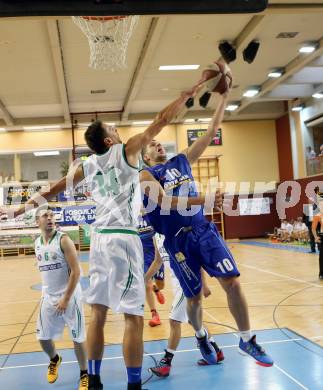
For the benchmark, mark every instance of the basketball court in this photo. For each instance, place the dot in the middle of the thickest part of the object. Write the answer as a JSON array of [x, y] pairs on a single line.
[[58, 75]]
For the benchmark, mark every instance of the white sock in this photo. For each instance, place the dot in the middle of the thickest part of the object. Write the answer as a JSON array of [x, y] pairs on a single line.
[[200, 333], [211, 339], [172, 351], [245, 335]]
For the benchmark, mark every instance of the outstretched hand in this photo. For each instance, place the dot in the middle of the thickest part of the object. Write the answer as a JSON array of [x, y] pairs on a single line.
[[192, 92]]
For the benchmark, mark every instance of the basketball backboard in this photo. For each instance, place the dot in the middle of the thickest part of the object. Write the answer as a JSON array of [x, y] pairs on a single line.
[[127, 7]]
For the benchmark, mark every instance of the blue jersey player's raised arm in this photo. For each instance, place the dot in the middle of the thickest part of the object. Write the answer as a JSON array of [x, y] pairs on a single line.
[[192, 242]]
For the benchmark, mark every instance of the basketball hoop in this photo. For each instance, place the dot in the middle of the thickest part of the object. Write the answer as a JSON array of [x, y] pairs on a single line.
[[108, 38]]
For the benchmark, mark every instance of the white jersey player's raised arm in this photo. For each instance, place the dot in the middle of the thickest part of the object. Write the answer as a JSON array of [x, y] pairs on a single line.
[[100, 137]]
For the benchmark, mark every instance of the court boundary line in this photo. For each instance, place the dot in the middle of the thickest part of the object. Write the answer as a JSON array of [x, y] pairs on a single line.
[[146, 354], [306, 338], [281, 275], [275, 365], [291, 377]]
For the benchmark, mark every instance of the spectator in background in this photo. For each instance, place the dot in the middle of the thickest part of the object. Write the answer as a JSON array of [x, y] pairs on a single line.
[[285, 231], [321, 151], [315, 201], [307, 219], [310, 210], [311, 161], [317, 230], [310, 154], [300, 231]]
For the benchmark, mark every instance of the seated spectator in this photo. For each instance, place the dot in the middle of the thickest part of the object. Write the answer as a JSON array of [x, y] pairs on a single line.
[[300, 231], [285, 231], [321, 151]]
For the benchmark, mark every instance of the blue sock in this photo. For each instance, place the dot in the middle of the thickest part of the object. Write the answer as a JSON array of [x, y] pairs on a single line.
[[134, 374], [94, 367]]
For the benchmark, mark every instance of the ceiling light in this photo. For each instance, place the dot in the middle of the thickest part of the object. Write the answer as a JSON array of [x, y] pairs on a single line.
[[189, 121], [318, 95], [232, 107], [44, 127], [251, 92], [308, 48], [2, 129], [179, 67], [205, 119], [47, 153], [110, 123], [84, 124], [298, 107], [276, 73], [140, 123]]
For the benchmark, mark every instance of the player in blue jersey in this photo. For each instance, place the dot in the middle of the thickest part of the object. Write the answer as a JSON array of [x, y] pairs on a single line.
[[192, 242], [151, 253]]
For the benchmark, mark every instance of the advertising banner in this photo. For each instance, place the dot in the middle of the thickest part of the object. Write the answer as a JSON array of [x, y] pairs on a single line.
[[75, 215]]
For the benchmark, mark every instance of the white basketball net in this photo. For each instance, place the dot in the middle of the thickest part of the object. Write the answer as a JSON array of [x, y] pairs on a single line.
[[108, 38]]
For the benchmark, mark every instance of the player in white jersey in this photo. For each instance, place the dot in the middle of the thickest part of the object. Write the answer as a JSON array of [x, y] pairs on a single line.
[[177, 315], [116, 258], [61, 302]]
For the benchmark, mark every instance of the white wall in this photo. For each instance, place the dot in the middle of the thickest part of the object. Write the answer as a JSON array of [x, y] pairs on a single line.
[[6, 166], [30, 165]]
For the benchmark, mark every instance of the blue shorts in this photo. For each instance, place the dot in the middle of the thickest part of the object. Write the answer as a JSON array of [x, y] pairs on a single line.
[[203, 246], [149, 256]]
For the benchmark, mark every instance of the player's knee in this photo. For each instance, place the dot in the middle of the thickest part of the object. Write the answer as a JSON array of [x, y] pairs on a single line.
[[231, 285], [81, 345], [133, 321], [174, 324], [197, 300], [98, 315]]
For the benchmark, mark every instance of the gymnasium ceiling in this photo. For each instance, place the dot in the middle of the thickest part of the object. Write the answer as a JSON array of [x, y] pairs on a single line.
[[44, 73]]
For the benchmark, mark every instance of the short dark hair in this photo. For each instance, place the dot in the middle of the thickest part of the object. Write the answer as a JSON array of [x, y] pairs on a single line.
[[45, 207], [94, 137]]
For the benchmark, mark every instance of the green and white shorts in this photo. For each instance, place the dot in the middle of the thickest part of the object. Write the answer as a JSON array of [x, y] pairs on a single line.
[[50, 325], [117, 271]]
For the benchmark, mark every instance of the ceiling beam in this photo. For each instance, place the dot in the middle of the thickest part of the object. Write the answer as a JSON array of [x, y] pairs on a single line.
[[56, 49], [249, 32], [155, 31], [294, 66], [5, 114]]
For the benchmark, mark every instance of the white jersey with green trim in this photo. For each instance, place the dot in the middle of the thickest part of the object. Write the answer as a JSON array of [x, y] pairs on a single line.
[[53, 267], [115, 189]]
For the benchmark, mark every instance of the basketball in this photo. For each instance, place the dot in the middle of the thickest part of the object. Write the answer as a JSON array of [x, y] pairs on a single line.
[[218, 78]]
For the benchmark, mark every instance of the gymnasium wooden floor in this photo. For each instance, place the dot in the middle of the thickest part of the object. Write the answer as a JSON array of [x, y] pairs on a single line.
[[281, 286]]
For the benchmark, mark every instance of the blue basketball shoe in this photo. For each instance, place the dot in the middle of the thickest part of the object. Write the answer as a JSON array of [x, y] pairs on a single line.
[[207, 350], [254, 350]]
